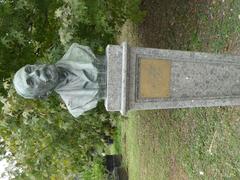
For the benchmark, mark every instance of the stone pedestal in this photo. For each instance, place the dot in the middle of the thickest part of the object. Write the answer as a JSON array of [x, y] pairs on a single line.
[[146, 78]]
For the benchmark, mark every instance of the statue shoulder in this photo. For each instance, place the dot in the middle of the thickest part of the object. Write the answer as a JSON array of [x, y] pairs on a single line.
[[79, 53], [79, 101]]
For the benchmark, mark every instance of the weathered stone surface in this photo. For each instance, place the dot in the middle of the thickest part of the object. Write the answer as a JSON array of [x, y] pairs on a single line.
[[184, 79], [154, 78], [114, 78]]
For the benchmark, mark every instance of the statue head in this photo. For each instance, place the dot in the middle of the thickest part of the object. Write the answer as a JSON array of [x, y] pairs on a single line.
[[36, 81]]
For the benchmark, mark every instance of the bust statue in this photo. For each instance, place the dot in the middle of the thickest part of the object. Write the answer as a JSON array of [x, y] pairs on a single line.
[[78, 77]]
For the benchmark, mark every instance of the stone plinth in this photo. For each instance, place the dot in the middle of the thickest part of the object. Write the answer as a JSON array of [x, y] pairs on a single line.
[[146, 78]]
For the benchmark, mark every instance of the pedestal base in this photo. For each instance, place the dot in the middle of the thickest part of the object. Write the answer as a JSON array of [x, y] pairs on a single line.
[[145, 78]]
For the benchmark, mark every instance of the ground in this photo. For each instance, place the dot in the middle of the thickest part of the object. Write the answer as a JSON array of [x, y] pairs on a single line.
[[197, 143]]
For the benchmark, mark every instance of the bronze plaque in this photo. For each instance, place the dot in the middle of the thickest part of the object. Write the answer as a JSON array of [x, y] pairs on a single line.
[[154, 77]]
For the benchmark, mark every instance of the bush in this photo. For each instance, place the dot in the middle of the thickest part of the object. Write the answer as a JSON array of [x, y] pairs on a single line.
[[46, 140], [95, 22], [43, 138]]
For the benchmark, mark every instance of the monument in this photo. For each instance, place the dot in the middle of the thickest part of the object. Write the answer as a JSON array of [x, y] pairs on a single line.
[[78, 77], [146, 78], [134, 78]]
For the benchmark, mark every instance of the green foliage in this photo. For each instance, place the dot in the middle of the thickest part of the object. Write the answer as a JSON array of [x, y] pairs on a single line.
[[43, 137], [27, 30], [33, 31], [95, 22], [45, 141], [95, 173]]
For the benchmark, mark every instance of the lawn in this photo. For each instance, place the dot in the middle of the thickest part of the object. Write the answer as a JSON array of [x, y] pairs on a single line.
[[196, 143]]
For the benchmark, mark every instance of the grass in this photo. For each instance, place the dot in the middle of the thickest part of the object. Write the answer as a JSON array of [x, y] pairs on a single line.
[[217, 27], [196, 143], [185, 143]]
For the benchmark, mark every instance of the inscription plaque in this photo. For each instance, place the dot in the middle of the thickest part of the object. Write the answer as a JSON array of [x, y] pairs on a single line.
[[154, 78], [147, 78]]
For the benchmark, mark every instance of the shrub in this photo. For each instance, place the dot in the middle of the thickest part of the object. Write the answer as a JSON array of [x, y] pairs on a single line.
[[43, 138]]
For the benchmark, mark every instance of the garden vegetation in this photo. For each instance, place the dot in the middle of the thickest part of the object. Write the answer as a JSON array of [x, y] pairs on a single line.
[[41, 138]]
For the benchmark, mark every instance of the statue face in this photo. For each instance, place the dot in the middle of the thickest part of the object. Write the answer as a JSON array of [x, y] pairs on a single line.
[[36, 81]]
